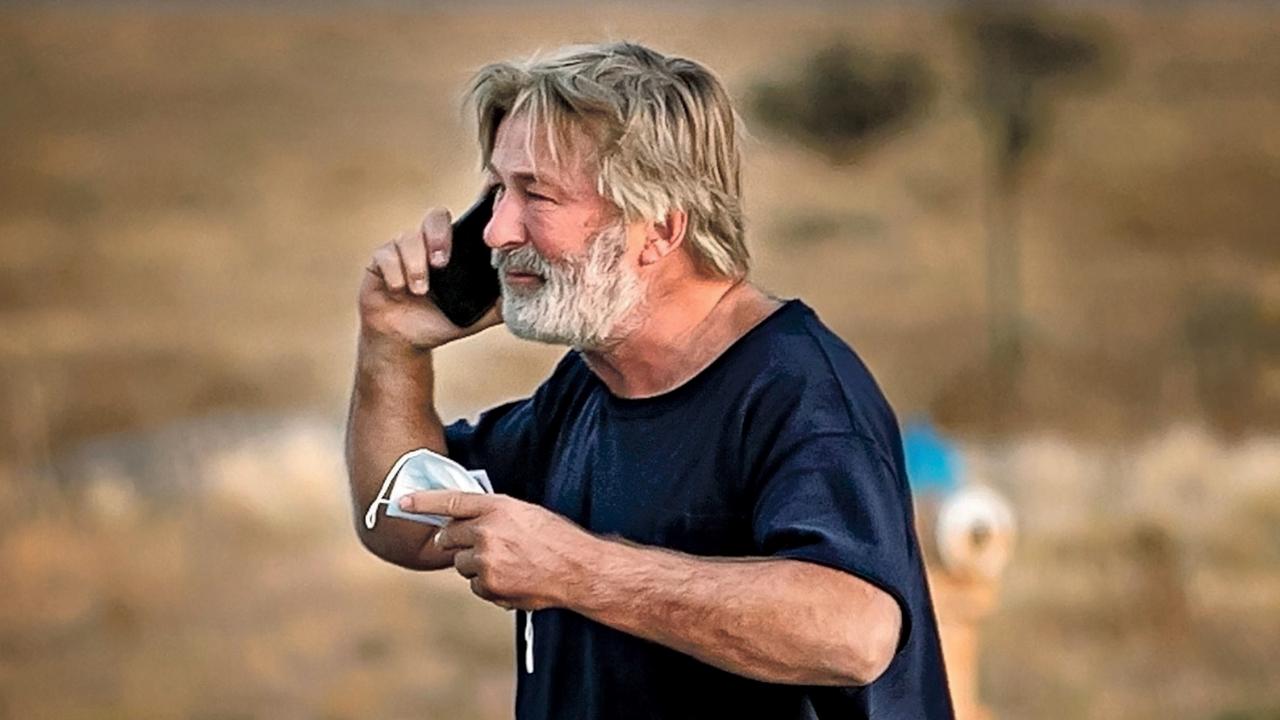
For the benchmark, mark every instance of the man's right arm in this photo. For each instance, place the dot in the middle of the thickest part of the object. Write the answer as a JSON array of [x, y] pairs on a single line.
[[392, 412], [392, 400]]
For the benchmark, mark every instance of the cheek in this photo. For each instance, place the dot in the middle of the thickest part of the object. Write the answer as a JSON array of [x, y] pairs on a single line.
[[551, 235], [539, 220]]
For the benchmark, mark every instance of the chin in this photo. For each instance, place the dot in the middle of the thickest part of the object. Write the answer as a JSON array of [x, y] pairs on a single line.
[[534, 334], [527, 324]]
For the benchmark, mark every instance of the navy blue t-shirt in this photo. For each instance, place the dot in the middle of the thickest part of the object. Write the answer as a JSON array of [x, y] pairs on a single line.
[[782, 447]]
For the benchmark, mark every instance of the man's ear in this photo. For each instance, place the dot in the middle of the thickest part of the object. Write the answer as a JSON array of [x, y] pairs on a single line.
[[663, 237]]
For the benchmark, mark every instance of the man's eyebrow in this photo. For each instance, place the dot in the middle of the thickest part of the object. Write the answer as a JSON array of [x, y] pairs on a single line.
[[526, 177]]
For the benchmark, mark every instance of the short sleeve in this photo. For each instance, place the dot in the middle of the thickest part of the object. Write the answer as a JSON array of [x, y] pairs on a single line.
[[512, 442], [501, 442], [831, 499]]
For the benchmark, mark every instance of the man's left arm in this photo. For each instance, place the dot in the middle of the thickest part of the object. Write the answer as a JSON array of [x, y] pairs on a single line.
[[775, 620]]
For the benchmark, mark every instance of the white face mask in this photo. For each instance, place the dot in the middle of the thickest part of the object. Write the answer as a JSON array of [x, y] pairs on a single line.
[[424, 470]]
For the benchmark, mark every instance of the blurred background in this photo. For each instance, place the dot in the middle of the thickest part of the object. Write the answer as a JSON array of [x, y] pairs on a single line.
[[1052, 232]]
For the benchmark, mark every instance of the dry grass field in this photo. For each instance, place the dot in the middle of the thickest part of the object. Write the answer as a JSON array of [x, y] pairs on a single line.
[[188, 193]]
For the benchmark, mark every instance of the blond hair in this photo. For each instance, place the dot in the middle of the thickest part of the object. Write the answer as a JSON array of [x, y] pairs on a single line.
[[665, 132]]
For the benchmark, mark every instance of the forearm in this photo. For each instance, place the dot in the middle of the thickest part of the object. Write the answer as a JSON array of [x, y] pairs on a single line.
[[775, 620], [392, 412]]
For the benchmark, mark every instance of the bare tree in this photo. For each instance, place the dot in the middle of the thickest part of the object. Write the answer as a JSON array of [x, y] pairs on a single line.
[[1023, 58]]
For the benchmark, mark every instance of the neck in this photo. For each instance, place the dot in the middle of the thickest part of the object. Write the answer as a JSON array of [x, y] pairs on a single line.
[[682, 331]]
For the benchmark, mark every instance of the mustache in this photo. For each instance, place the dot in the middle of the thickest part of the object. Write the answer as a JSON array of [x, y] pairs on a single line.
[[526, 259], [523, 259]]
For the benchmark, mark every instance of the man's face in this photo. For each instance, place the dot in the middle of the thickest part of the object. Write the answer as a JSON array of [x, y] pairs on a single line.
[[565, 260]]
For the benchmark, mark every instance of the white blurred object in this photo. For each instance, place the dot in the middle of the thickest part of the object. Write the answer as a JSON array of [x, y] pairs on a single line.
[[975, 533]]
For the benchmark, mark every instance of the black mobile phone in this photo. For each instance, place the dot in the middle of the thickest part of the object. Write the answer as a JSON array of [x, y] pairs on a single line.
[[468, 286]]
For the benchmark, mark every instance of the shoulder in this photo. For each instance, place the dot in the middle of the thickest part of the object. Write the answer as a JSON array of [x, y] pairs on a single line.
[[814, 380]]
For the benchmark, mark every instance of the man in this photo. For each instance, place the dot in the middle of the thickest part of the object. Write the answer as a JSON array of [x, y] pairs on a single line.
[[704, 507]]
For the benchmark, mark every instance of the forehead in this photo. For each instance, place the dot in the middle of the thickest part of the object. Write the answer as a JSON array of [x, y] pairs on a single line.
[[522, 148]]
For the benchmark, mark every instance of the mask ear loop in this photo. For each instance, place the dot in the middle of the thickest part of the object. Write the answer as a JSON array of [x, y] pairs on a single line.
[[371, 516], [528, 641]]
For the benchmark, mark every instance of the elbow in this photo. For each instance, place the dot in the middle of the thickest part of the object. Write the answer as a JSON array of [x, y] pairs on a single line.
[[876, 659], [378, 545], [875, 645]]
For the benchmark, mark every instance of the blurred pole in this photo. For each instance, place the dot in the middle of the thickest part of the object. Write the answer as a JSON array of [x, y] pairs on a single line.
[[1004, 298]]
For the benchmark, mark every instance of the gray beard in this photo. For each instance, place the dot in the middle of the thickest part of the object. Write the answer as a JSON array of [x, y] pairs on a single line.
[[586, 301]]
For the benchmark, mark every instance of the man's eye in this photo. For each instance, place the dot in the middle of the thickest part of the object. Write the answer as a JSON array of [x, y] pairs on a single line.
[[500, 190]]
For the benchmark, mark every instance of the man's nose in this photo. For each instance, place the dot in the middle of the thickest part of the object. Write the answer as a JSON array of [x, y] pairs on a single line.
[[505, 228]]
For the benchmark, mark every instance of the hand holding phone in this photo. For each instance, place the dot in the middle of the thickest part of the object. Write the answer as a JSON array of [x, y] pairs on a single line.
[[406, 299], [468, 286]]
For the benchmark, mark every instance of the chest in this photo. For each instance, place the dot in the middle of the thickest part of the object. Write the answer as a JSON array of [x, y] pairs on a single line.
[[680, 480]]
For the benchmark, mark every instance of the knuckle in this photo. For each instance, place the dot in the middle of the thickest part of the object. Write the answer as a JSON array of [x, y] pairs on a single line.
[[500, 515], [455, 504]]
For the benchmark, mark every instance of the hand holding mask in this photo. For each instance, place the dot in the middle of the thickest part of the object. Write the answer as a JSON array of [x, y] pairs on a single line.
[[424, 470]]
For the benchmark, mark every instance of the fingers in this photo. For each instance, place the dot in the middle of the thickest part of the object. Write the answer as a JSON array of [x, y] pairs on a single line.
[[459, 534], [413, 257], [437, 233], [482, 590], [403, 263], [466, 564], [450, 503], [387, 263]]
